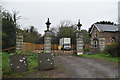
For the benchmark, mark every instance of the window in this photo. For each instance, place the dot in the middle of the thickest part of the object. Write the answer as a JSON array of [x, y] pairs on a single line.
[[112, 39], [95, 44]]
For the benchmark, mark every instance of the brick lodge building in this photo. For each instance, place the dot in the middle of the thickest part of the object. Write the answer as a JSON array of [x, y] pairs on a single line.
[[102, 35]]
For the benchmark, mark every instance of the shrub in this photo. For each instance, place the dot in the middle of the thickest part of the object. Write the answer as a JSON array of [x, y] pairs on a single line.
[[20, 52], [86, 50], [113, 49]]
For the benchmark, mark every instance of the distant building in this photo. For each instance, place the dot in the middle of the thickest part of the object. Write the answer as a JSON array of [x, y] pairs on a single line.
[[101, 35]]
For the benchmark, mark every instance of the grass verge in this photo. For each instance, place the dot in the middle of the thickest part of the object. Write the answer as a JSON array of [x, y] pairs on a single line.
[[102, 56], [32, 64]]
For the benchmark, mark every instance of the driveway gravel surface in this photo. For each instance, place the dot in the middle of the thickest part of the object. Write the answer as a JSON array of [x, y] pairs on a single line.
[[78, 67]]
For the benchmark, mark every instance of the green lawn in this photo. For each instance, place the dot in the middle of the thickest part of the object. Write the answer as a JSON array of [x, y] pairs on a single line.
[[102, 56], [32, 61], [32, 64], [0, 65], [5, 63]]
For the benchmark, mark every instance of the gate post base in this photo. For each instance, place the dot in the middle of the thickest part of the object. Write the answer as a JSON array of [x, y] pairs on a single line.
[[45, 61]]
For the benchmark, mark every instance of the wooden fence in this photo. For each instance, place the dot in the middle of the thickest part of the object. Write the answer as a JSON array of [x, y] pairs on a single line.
[[7, 49], [29, 47]]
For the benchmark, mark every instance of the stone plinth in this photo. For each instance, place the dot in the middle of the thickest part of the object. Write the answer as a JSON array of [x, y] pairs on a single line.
[[45, 61], [18, 63]]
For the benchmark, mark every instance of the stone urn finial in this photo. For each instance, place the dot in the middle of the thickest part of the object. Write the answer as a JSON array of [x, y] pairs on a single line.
[[79, 25], [48, 24]]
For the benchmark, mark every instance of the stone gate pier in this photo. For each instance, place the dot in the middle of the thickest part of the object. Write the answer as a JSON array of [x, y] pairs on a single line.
[[79, 39], [45, 59]]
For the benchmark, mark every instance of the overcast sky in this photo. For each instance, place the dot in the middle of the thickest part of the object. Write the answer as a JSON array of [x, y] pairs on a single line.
[[36, 12]]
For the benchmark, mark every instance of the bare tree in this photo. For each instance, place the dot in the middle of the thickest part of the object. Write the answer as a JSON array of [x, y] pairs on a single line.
[[54, 31], [65, 23], [15, 17]]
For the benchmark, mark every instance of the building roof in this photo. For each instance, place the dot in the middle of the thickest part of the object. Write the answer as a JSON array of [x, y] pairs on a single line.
[[105, 28]]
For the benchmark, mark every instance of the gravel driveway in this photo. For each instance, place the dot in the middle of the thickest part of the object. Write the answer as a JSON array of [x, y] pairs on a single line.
[[78, 67]]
